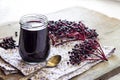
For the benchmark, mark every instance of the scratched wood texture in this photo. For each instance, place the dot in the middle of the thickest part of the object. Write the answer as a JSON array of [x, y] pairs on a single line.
[[107, 27]]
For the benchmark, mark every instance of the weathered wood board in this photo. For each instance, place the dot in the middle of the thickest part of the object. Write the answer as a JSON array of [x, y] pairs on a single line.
[[108, 29]]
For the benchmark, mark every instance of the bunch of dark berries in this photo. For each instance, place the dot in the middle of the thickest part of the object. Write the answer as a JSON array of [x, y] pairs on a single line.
[[8, 43], [85, 50], [69, 29]]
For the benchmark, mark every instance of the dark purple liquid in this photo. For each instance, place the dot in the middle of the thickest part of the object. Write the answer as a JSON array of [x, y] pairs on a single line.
[[34, 45]]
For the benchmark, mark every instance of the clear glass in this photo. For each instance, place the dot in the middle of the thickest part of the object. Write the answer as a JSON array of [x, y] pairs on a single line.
[[34, 40]]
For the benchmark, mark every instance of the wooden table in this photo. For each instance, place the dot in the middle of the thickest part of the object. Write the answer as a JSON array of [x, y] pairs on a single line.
[[108, 29]]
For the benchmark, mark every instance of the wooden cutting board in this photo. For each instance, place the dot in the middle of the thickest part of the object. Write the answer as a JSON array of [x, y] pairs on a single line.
[[107, 27]]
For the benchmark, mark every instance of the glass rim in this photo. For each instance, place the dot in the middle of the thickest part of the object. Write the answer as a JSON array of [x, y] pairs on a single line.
[[26, 20], [37, 16]]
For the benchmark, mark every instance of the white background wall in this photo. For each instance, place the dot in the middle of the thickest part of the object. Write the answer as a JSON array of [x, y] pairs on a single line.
[[12, 10]]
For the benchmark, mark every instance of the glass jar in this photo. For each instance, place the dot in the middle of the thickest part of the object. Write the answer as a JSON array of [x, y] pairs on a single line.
[[34, 39]]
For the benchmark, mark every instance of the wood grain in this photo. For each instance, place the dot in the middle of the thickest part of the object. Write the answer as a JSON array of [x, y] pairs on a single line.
[[107, 27]]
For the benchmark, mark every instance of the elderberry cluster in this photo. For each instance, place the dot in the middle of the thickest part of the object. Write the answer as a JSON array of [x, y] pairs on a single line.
[[85, 49], [8, 43], [70, 29]]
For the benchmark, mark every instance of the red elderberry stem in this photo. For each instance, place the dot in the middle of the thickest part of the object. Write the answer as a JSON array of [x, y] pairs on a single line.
[[94, 54], [102, 52]]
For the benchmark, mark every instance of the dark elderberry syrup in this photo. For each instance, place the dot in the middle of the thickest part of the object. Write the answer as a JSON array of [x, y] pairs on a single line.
[[34, 40]]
